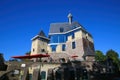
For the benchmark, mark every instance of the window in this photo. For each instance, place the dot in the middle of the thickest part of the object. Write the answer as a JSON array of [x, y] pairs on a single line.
[[58, 38], [73, 36], [58, 75], [86, 37], [43, 75], [30, 76], [73, 45], [61, 38], [61, 29], [33, 49], [54, 39], [53, 47], [42, 50], [63, 47]]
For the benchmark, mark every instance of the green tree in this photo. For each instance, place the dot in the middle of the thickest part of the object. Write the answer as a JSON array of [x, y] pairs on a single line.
[[28, 53], [1, 58], [114, 56], [99, 56]]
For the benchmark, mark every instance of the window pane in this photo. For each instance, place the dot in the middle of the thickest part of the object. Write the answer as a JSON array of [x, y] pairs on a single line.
[[73, 45], [43, 75], [30, 76], [58, 75], [63, 47], [53, 47]]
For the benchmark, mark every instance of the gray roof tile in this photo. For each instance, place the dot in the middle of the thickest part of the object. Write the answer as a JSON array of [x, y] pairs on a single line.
[[55, 27], [41, 33]]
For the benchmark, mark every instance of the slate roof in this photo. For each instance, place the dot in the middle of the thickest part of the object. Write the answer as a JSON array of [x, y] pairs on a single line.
[[41, 33], [55, 27], [89, 52]]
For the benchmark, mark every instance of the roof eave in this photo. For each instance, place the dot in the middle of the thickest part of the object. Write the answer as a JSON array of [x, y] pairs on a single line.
[[37, 36]]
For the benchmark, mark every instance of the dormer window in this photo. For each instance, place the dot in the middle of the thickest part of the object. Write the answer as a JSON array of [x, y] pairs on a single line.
[[61, 29]]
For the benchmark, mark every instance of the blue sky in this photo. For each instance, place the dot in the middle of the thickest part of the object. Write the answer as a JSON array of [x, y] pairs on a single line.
[[20, 20]]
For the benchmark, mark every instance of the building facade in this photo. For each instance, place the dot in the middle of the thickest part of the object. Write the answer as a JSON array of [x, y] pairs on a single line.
[[66, 38], [39, 43], [70, 48]]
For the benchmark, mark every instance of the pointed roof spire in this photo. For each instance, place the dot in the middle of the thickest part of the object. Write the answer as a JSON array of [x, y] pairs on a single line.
[[70, 18], [41, 33]]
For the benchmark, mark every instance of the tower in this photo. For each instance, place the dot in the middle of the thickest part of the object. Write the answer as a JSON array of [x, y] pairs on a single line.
[[39, 44]]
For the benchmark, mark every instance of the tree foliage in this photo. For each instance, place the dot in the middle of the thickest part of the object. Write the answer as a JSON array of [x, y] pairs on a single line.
[[110, 54], [1, 58], [113, 55], [28, 53], [99, 56]]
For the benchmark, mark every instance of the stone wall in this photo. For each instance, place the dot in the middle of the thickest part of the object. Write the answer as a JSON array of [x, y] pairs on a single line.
[[78, 51]]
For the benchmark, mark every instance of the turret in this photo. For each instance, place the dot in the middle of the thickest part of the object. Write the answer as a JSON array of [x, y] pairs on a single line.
[[39, 43]]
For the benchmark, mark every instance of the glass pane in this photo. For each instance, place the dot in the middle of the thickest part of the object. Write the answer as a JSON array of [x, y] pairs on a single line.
[[30, 76], [43, 75], [63, 47]]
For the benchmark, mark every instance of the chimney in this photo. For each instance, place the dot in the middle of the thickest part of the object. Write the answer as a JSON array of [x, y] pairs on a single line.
[[70, 18]]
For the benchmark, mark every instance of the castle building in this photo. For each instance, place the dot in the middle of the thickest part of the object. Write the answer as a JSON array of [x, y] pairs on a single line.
[[65, 40], [68, 50]]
